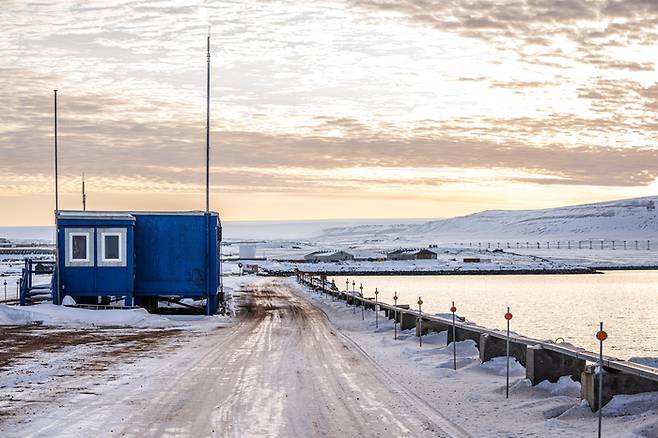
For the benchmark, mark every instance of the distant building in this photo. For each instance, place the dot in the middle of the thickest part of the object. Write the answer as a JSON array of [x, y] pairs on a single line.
[[250, 269], [476, 260], [6, 243], [411, 254], [328, 256]]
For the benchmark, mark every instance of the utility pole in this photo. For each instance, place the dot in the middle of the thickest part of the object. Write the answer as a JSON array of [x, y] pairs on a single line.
[[208, 129], [57, 280], [56, 185]]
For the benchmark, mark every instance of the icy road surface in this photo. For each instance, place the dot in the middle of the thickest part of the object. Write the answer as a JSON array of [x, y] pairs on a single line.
[[281, 371]]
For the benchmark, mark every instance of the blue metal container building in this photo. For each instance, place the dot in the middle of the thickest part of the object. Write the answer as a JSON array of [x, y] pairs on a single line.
[[142, 257]]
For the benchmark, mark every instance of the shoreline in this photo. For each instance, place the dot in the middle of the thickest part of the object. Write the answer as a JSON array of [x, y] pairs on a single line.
[[581, 271], [574, 271]]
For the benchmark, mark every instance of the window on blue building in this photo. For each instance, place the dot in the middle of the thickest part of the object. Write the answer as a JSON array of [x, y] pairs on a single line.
[[79, 247], [111, 247]]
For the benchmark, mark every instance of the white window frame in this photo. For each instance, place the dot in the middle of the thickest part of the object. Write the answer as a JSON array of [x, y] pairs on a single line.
[[87, 237], [122, 261], [121, 251]]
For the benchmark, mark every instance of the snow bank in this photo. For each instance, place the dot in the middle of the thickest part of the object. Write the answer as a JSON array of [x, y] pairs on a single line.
[[564, 386], [648, 361], [635, 404], [498, 366], [50, 314]]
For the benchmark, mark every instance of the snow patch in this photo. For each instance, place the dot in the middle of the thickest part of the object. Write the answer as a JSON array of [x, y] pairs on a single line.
[[498, 366], [52, 315]]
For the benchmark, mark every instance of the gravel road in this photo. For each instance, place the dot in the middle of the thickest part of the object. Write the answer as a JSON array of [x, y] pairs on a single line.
[[281, 371]]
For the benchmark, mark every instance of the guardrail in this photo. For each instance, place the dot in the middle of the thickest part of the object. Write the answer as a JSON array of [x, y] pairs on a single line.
[[543, 360]]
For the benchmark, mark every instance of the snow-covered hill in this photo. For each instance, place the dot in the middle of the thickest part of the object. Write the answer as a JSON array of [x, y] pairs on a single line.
[[622, 220]]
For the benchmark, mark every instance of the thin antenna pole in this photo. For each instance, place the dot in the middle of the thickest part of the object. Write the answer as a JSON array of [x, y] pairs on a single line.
[[84, 194], [208, 130], [56, 185], [56, 296]]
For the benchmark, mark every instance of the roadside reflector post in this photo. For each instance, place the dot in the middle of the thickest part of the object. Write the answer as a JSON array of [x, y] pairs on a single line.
[[508, 317], [420, 322], [395, 319], [453, 309], [353, 297], [376, 309], [601, 335], [5, 290], [347, 291], [363, 307]]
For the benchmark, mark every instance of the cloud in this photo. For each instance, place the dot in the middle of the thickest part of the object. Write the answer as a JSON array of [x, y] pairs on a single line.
[[330, 98], [591, 26]]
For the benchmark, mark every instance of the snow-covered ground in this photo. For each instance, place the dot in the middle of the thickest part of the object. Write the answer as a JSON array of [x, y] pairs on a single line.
[[283, 370], [626, 219], [622, 233], [474, 396]]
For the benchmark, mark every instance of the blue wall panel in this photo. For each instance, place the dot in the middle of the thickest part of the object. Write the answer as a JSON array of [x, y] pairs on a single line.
[[168, 254]]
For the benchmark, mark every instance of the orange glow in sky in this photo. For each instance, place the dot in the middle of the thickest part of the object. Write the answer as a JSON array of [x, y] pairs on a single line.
[[332, 109]]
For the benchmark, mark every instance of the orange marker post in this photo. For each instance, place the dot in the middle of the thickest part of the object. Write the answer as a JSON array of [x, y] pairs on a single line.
[[453, 309], [601, 335], [420, 321], [395, 319], [508, 317], [376, 309], [353, 297], [363, 307]]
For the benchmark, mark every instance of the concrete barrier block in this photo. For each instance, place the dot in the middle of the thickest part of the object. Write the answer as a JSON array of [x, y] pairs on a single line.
[[407, 321], [492, 346], [614, 382], [462, 334], [396, 315], [430, 326], [542, 364]]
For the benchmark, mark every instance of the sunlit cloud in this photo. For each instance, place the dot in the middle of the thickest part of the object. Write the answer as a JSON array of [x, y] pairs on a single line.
[[439, 101]]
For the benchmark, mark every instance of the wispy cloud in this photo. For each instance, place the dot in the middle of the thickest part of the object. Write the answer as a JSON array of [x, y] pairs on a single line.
[[350, 98]]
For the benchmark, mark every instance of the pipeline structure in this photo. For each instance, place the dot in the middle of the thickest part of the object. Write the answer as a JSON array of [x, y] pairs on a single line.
[[542, 360]]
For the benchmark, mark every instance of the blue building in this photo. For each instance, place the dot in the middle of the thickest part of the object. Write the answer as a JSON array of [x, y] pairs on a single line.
[[141, 257]]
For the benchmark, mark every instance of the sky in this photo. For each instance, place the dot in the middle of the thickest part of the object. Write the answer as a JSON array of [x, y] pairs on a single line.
[[328, 109]]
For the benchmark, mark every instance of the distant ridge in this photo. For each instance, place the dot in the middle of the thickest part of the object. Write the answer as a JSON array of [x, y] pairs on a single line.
[[624, 219]]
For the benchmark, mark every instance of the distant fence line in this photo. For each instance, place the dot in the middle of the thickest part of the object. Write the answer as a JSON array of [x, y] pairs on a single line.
[[593, 244]]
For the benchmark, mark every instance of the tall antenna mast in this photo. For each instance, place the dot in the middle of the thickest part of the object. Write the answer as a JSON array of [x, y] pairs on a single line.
[[208, 129], [84, 194], [56, 185], [56, 297]]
